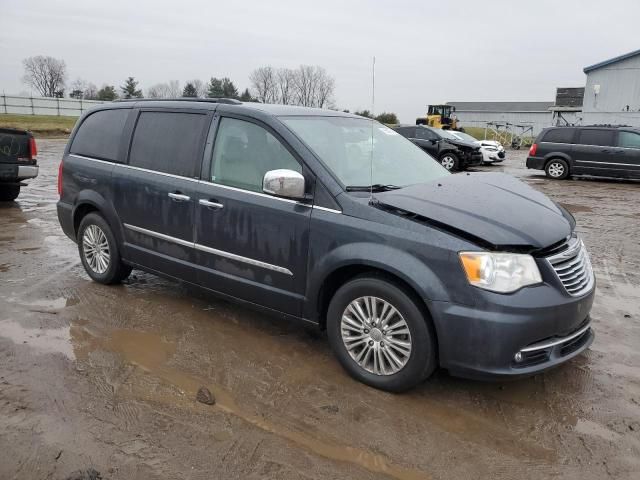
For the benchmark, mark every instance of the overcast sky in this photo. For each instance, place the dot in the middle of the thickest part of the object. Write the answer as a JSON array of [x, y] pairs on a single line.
[[426, 51]]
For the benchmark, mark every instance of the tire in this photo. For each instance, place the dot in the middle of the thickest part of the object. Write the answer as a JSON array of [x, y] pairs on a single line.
[[105, 267], [557, 169], [450, 161], [359, 360], [9, 193]]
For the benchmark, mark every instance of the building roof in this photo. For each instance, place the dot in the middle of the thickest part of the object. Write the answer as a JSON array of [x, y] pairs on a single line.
[[610, 61], [502, 106]]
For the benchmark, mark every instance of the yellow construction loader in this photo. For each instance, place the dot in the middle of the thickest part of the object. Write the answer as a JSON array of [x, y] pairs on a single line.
[[440, 116]]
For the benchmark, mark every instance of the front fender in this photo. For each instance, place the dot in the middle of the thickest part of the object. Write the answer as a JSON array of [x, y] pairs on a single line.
[[381, 257]]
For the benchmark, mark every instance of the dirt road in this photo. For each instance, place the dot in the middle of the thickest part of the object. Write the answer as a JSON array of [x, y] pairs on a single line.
[[102, 380]]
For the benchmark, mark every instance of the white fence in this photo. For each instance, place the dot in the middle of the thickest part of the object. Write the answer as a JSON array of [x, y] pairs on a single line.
[[45, 105]]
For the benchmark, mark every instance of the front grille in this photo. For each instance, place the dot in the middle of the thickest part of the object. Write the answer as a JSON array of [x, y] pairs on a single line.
[[573, 268]]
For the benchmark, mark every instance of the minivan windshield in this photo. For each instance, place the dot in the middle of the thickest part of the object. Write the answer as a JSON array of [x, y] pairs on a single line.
[[344, 146]]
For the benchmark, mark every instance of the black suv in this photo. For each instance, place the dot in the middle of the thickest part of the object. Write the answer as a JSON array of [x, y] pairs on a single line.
[[608, 151], [17, 161], [289, 210], [452, 152]]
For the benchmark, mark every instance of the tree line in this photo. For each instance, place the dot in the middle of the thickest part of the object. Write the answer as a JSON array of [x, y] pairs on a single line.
[[306, 85]]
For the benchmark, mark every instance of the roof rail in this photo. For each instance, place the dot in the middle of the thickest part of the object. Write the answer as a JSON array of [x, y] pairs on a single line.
[[609, 125], [230, 101]]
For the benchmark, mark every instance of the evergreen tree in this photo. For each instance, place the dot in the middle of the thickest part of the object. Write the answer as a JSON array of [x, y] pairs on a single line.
[[107, 93], [130, 89], [215, 88], [189, 90], [246, 96], [229, 90]]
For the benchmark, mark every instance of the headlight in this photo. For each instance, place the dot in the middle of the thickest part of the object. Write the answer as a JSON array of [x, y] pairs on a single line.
[[500, 272]]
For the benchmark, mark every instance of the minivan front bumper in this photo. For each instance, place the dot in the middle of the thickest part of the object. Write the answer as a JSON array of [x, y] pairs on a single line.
[[511, 336]]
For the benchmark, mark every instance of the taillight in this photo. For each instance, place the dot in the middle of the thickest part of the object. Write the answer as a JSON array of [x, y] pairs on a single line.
[[533, 149], [60, 178], [33, 150]]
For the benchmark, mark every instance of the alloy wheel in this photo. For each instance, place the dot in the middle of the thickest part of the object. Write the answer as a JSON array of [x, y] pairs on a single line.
[[96, 249], [376, 335], [556, 170]]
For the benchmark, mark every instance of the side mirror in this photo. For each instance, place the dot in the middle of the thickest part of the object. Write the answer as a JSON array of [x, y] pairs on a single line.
[[283, 183]]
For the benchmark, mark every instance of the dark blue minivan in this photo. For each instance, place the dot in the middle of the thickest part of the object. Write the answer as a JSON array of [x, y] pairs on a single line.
[[336, 220]]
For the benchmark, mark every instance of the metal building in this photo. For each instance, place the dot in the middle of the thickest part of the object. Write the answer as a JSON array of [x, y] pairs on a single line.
[[612, 92], [477, 114]]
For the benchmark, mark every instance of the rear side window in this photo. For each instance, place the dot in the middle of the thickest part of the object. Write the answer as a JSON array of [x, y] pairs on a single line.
[[628, 140], [100, 133], [559, 135], [168, 142], [601, 138]]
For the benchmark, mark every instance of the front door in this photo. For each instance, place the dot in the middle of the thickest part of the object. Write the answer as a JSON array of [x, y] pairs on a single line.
[[629, 156], [427, 140], [155, 193], [251, 245]]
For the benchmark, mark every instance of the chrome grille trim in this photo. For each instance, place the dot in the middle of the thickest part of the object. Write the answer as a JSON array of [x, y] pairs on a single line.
[[557, 341], [573, 268]]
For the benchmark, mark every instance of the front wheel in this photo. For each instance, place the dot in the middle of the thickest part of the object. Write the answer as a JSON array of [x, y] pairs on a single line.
[[449, 161], [380, 334], [557, 169], [99, 251], [8, 193]]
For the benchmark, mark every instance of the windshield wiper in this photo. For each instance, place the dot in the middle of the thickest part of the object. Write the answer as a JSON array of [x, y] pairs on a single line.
[[376, 187]]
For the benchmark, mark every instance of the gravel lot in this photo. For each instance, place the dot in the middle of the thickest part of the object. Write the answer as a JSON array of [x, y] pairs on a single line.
[[105, 378]]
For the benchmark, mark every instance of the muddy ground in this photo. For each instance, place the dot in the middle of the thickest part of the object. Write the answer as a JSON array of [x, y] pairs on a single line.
[[105, 378]]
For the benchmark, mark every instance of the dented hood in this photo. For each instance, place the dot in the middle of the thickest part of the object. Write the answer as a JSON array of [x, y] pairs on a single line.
[[492, 207]]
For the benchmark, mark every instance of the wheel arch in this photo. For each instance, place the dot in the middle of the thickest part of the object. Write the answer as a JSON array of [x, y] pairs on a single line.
[[557, 155], [350, 261], [89, 201]]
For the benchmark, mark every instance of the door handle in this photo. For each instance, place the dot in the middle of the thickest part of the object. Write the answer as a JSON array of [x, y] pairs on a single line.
[[210, 204], [179, 197]]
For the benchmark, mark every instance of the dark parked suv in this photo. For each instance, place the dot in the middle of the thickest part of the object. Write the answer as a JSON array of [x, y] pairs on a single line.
[[608, 151], [289, 210], [452, 152]]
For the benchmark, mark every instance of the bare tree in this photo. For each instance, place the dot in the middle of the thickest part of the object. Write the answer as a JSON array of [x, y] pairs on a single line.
[[263, 84], [165, 90], [47, 75], [200, 86], [159, 90], [285, 86], [305, 84], [91, 91], [174, 89], [77, 88], [324, 92]]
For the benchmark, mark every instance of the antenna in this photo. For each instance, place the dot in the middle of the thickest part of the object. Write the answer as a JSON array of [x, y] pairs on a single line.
[[373, 109]]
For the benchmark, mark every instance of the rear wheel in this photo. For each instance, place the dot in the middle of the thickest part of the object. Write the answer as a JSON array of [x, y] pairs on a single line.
[[450, 161], [557, 169], [99, 251], [9, 193], [380, 334]]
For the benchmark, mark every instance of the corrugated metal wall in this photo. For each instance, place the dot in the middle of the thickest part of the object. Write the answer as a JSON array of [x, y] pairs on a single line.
[[619, 87]]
